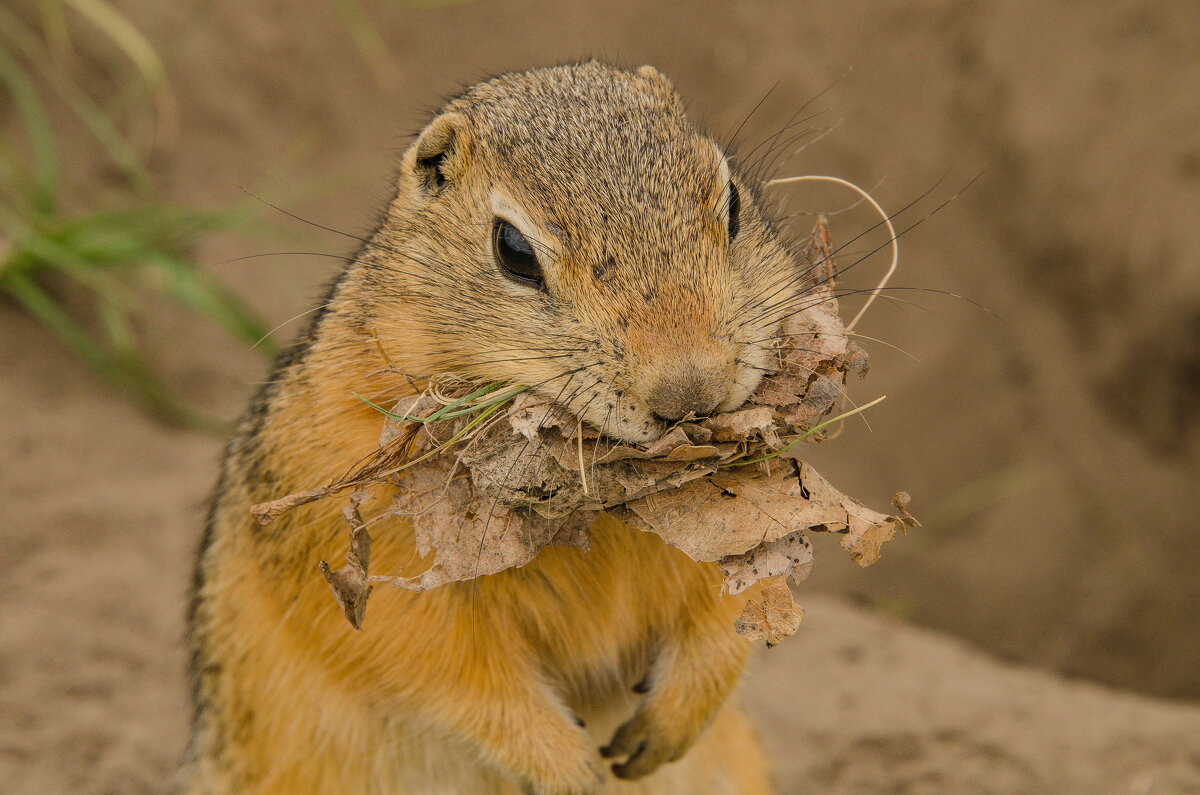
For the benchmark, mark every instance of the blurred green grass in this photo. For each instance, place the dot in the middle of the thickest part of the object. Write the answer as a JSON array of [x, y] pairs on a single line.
[[88, 271]]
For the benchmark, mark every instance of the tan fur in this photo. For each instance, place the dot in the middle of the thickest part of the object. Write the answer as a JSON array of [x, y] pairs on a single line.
[[478, 687]]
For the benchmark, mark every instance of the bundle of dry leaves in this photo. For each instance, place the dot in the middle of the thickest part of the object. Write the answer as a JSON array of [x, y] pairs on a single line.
[[484, 496]]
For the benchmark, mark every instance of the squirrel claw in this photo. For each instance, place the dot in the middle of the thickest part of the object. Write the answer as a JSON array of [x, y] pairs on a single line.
[[643, 747]]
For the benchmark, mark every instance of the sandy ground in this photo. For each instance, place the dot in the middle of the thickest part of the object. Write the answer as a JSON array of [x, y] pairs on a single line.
[[1053, 447]]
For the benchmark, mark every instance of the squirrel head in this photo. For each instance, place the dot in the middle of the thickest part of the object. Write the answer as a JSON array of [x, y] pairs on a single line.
[[569, 229]]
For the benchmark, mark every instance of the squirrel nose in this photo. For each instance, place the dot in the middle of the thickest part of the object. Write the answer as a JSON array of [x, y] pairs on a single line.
[[687, 390]]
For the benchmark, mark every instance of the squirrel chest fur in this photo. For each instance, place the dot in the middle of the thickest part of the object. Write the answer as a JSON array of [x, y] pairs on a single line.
[[566, 229]]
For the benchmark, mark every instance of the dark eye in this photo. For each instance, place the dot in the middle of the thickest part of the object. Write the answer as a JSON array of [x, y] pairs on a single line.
[[734, 208], [515, 256]]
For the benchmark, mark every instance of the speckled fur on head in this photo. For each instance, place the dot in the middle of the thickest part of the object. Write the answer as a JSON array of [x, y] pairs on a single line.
[[626, 205]]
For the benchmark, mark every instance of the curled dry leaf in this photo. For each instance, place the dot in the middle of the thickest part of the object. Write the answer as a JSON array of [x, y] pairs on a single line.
[[772, 617], [484, 496], [350, 584], [789, 556], [900, 501]]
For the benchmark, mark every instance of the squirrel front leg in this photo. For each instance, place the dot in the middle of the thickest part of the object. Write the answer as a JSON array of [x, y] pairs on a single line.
[[692, 674], [502, 704]]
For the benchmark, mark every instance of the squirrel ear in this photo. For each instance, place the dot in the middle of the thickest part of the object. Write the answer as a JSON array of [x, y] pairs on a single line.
[[441, 152], [662, 87], [648, 72]]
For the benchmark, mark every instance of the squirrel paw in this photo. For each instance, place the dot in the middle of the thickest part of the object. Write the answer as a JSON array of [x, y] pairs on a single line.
[[647, 740]]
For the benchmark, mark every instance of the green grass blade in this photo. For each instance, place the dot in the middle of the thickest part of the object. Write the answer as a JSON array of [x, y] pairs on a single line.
[[39, 304], [391, 415], [205, 296], [128, 374], [504, 398], [458, 408], [478, 393], [114, 320], [806, 434], [99, 123], [126, 36], [37, 123]]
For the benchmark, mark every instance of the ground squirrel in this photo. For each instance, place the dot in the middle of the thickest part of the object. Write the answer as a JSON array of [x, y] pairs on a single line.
[[566, 228]]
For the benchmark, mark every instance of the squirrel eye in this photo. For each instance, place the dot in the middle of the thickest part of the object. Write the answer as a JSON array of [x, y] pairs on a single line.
[[734, 208], [515, 255]]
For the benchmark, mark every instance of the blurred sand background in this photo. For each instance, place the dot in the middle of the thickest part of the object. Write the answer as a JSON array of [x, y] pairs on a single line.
[[1051, 443]]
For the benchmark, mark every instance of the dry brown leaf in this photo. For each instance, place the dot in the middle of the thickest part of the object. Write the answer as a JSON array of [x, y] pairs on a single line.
[[452, 522], [772, 617], [264, 512], [534, 476], [742, 424], [350, 584], [900, 501], [789, 556]]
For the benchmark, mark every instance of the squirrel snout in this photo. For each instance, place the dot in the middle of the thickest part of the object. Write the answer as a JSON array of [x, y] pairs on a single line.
[[688, 390]]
